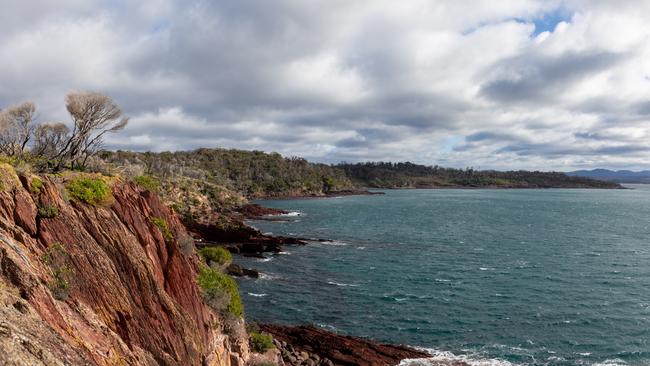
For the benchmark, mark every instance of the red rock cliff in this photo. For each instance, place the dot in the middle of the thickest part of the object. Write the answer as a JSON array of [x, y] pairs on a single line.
[[122, 290]]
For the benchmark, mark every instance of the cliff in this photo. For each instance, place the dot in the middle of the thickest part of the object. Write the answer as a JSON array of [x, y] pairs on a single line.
[[103, 283]]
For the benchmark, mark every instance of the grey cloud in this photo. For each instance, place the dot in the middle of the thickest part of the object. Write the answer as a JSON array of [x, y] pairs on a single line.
[[538, 78]]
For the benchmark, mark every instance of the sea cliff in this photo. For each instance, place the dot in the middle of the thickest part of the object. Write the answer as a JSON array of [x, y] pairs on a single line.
[[101, 284]]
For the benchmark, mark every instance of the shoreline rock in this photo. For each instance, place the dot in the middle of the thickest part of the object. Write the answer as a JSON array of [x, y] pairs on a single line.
[[312, 346], [254, 211]]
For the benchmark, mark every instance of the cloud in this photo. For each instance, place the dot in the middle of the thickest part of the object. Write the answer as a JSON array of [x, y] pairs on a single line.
[[510, 84]]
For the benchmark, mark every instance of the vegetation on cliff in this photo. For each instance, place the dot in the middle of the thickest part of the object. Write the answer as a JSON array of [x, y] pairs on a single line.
[[220, 291]]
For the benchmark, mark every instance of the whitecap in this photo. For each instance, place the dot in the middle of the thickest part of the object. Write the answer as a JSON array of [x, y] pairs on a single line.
[[342, 284], [283, 253], [335, 243], [438, 357], [613, 362], [266, 276], [256, 295], [289, 214], [441, 280], [361, 248], [267, 259]]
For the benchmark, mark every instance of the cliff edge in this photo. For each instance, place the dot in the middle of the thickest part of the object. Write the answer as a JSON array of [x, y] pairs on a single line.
[[101, 283]]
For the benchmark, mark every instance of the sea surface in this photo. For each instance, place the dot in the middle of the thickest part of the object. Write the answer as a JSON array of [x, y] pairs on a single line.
[[492, 277]]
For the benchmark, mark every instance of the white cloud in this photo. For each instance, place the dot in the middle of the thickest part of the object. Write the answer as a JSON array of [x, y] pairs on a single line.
[[462, 83]]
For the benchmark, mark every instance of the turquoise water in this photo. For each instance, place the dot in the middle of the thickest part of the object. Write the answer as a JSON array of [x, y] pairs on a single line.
[[531, 277]]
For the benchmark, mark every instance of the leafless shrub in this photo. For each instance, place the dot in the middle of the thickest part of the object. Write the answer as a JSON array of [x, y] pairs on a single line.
[[93, 115], [49, 139], [16, 128]]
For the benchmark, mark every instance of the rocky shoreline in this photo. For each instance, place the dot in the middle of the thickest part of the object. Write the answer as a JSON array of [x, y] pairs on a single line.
[[311, 346]]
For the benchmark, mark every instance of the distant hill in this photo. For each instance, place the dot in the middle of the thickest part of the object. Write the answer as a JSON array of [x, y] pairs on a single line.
[[619, 176], [409, 175]]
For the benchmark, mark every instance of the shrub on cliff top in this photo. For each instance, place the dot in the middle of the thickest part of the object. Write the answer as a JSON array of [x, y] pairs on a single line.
[[218, 287], [94, 191], [261, 343], [147, 182], [218, 255]]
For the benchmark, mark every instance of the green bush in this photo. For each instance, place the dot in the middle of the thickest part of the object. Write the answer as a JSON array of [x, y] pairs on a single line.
[[94, 191], [218, 255], [164, 228], [48, 211], [37, 185], [261, 343], [147, 182], [216, 286]]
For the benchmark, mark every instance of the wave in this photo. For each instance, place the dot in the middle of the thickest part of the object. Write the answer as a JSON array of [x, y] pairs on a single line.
[[438, 357], [336, 243], [256, 295], [266, 276], [267, 259], [289, 214], [342, 284]]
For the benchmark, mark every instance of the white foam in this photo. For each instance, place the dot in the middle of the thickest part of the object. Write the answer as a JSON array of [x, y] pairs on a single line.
[[264, 259], [336, 243], [614, 362], [361, 248], [266, 276], [342, 284], [256, 295], [438, 356], [290, 214], [283, 253]]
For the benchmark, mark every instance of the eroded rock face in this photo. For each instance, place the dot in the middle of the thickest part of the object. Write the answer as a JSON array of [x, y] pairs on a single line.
[[102, 285]]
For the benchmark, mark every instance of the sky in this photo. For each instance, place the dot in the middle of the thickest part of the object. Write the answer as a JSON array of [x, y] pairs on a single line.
[[508, 84]]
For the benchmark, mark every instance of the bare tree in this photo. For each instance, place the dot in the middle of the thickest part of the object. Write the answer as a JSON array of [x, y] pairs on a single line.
[[49, 139], [93, 115], [16, 128]]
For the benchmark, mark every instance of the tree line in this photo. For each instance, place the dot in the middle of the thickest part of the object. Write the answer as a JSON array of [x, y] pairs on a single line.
[[53, 146]]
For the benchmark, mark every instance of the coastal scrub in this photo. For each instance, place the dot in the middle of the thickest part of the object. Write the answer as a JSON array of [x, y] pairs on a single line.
[[221, 291], [218, 255], [92, 190]]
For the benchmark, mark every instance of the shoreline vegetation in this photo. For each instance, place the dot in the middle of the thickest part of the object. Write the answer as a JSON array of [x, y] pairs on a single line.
[[181, 204]]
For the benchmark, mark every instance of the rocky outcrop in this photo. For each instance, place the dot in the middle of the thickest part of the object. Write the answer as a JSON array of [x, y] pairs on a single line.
[[239, 271], [253, 211], [88, 285], [308, 345], [240, 238]]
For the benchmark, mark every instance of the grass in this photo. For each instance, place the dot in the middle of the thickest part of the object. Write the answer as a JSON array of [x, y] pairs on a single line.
[[261, 343], [164, 228], [218, 255], [8, 178], [147, 182], [217, 286], [94, 191]]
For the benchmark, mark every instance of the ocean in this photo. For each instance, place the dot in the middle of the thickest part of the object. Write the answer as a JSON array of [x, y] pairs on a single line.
[[491, 277]]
